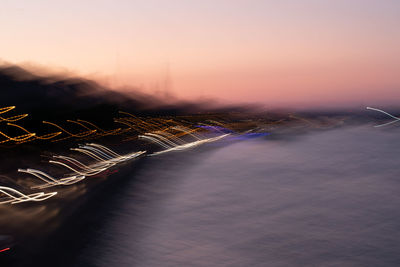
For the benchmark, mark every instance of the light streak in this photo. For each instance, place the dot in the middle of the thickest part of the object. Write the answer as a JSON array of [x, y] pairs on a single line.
[[51, 181], [103, 132], [218, 123], [150, 126], [4, 249], [163, 122], [28, 137], [155, 123], [98, 152], [105, 157], [176, 147], [213, 128], [81, 124], [162, 138], [6, 109], [43, 137], [78, 163], [155, 141], [23, 129], [168, 133], [396, 119], [83, 173], [90, 151], [125, 123], [187, 131], [16, 139], [190, 145], [171, 136], [130, 123], [105, 149], [78, 135], [110, 157], [14, 118], [14, 196], [131, 115], [48, 136]]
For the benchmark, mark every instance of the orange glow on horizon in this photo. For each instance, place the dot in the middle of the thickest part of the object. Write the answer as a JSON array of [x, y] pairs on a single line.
[[277, 53]]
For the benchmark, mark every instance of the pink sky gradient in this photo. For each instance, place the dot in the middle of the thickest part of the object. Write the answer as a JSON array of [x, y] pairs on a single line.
[[273, 52]]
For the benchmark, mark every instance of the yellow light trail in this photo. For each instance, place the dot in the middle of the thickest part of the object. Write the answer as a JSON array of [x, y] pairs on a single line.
[[78, 135], [28, 136], [171, 136], [124, 123], [101, 131], [148, 126], [14, 118], [187, 131], [6, 109], [43, 137], [132, 124], [81, 134], [18, 138]]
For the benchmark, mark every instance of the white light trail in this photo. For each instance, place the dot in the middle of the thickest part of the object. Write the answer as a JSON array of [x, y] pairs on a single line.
[[155, 140], [162, 138], [190, 145], [104, 161], [51, 181], [14, 196], [396, 119]]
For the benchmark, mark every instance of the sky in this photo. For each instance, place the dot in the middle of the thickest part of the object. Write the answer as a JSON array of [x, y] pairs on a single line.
[[278, 53]]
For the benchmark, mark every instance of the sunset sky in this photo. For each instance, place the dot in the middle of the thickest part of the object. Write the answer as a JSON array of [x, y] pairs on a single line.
[[299, 53]]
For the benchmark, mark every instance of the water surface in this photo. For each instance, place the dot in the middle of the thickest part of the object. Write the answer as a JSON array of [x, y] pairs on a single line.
[[328, 198]]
